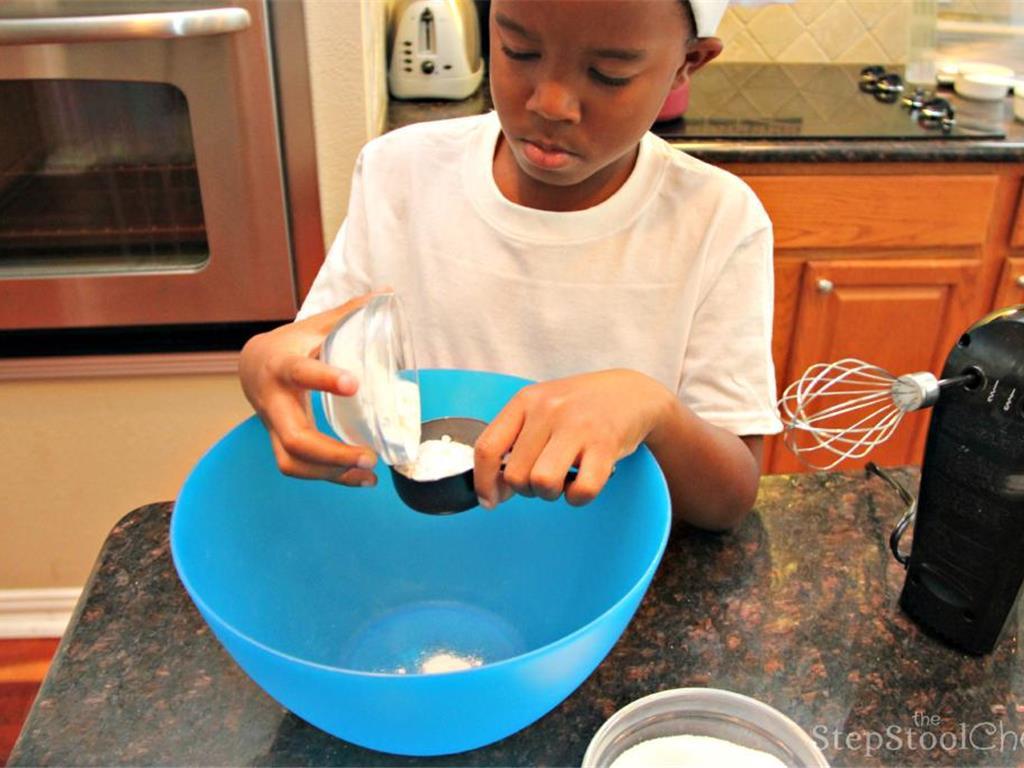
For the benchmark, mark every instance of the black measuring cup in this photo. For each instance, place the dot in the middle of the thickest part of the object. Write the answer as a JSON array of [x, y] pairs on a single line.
[[447, 495]]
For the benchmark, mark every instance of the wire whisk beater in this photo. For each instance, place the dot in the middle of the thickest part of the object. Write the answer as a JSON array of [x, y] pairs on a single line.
[[849, 407]]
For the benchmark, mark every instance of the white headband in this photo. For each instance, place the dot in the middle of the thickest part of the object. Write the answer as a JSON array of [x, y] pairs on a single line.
[[707, 14]]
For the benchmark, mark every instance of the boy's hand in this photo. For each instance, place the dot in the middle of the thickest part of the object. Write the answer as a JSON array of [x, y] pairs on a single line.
[[591, 420], [277, 369]]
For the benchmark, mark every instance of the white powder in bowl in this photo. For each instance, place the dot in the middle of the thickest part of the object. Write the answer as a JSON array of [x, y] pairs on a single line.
[[439, 458], [445, 661], [688, 751]]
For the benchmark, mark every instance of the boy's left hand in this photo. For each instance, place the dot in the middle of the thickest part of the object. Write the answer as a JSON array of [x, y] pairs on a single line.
[[591, 421]]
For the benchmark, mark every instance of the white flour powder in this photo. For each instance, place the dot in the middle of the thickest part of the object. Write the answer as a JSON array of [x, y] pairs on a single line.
[[400, 426], [693, 752], [437, 661], [439, 458], [383, 398], [448, 662]]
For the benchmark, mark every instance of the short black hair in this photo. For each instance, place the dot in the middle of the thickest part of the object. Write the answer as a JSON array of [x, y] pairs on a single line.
[[690, 19]]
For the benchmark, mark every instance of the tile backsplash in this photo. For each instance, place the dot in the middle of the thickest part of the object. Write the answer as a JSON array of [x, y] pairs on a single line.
[[846, 31]]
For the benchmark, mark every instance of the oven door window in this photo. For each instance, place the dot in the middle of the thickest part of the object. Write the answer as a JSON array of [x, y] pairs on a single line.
[[97, 177]]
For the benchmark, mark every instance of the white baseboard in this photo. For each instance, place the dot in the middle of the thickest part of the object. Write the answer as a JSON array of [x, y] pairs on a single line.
[[26, 613]]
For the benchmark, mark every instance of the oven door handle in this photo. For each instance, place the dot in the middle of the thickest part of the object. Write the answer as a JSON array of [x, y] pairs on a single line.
[[126, 26]]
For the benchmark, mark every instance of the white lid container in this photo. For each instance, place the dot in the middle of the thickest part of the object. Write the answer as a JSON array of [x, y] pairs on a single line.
[[983, 82], [373, 343]]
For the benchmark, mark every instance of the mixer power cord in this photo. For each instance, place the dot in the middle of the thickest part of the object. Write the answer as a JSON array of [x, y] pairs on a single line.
[[908, 515]]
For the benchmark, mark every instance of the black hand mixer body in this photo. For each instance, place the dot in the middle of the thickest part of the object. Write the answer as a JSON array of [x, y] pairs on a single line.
[[967, 561]]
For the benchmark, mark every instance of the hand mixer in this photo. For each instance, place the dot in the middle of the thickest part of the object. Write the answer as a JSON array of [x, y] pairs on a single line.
[[966, 566]]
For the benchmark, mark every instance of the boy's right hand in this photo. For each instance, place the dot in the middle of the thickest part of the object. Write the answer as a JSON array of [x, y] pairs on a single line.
[[277, 369]]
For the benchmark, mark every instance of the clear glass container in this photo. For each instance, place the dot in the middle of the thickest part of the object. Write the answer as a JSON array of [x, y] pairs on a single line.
[[703, 712], [374, 344], [921, 56]]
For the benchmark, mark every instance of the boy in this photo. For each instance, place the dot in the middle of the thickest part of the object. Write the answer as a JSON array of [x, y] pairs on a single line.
[[557, 240]]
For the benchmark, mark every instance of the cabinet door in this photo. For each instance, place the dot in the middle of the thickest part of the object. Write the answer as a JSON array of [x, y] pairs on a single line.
[[1010, 290], [1017, 236], [902, 316], [787, 298]]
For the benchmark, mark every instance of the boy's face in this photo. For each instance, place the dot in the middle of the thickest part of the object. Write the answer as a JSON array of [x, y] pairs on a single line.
[[576, 84]]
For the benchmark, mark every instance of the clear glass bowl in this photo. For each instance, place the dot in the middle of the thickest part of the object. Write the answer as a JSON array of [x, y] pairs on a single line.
[[703, 712], [373, 343]]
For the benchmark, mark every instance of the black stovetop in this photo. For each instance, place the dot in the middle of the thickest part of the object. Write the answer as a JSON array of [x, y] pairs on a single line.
[[800, 101]]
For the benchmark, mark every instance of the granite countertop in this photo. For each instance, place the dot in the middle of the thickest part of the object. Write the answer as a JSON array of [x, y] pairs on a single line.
[[798, 608], [792, 114]]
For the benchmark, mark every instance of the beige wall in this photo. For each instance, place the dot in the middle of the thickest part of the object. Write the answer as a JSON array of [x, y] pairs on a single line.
[[346, 40], [76, 455], [852, 31]]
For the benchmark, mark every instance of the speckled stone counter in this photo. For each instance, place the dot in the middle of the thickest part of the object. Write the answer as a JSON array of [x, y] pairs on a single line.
[[829, 91], [798, 608]]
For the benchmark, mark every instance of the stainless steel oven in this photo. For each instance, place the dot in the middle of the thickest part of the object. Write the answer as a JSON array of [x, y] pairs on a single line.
[[142, 165]]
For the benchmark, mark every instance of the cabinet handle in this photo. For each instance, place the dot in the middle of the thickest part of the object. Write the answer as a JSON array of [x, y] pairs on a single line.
[[826, 286], [1019, 281]]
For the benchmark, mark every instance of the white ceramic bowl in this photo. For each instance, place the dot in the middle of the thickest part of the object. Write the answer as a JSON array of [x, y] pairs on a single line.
[[703, 712], [983, 82]]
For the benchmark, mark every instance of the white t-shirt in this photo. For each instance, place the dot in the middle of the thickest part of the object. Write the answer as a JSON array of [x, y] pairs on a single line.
[[670, 276]]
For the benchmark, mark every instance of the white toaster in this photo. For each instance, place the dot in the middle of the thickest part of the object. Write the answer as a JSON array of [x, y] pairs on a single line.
[[435, 50]]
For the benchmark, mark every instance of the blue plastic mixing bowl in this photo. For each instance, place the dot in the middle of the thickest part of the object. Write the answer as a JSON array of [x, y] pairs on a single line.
[[404, 632]]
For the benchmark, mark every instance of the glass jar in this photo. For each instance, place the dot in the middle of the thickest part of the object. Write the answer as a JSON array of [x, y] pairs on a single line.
[[703, 712], [373, 343], [921, 56]]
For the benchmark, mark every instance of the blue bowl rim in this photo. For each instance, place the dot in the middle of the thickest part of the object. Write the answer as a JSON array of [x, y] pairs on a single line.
[[643, 579]]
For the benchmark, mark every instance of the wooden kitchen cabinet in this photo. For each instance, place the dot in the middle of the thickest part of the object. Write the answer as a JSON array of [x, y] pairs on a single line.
[[1017, 238], [877, 212], [887, 263], [787, 298], [1010, 289]]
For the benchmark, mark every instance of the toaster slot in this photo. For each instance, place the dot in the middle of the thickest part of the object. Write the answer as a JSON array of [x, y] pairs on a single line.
[[428, 32]]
